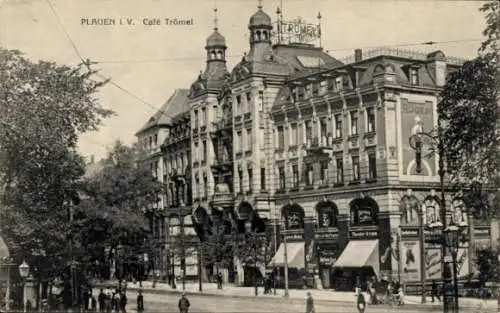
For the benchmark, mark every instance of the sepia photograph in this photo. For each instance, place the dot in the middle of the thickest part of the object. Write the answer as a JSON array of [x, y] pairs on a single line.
[[246, 156]]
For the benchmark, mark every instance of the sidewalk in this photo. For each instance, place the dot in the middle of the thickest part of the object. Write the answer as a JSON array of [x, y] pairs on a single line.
[[210, 289]]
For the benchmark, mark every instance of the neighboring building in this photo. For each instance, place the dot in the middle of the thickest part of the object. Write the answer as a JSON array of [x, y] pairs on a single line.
[[292, 133], [168, 126]]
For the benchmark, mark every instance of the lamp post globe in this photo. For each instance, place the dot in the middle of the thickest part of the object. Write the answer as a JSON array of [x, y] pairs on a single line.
[[24, 269]]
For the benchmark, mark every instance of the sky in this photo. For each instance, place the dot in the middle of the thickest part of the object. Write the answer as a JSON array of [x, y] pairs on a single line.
[[146, 63]]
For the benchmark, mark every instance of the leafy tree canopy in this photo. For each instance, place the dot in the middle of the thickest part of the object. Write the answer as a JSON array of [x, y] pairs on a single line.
[[469, 112], [44, 107], [117, 198]]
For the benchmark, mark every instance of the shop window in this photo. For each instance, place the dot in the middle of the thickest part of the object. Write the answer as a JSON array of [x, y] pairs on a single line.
[[364, 211]]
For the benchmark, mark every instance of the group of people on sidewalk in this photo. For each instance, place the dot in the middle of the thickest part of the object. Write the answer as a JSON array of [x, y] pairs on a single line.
[[110, 301]]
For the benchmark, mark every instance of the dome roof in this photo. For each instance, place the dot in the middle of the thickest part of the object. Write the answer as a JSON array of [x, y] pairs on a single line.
[[216, 39], [260, 18]]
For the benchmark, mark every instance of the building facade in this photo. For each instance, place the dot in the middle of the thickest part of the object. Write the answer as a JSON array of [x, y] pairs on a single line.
[[293, 139]]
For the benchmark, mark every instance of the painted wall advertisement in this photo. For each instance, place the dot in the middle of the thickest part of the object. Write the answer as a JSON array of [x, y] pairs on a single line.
[[416, 117]]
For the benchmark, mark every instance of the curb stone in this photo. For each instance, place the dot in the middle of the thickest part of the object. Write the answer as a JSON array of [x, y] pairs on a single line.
[[425, 308]]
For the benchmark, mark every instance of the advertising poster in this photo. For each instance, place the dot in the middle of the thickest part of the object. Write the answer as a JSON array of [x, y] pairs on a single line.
[[433, 263], [410, 257], [463, 263], [416, 117]]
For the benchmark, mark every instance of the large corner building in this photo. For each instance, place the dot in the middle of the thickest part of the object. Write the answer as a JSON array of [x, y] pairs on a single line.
[[291, 138]]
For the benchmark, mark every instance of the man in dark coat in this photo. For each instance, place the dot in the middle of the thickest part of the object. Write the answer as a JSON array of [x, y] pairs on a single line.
[[123, 302], [361, 303], [184, 304], [140, 302], [101, 298], [309, 303]]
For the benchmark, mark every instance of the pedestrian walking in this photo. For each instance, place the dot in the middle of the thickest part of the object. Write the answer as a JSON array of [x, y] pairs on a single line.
[[309, 303], [184, 304], [360, 302], [101, 298], [93, 304], [219, 280], [140, 301], [123, 302], [434, 291]]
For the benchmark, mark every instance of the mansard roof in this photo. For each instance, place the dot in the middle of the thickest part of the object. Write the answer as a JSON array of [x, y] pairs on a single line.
[[286, 60], [175, 105], [383, 62]]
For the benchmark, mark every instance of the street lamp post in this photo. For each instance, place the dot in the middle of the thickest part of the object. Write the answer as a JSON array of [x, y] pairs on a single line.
[[119, 256], [24, 270], [416, 142], [285, 256], [451, 235], [183, 245], [422, 252]]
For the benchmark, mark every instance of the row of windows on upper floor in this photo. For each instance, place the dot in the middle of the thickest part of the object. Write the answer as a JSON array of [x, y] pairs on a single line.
[[334, 128], [323, 172], [243, 105], [149, 142], [312, 173], [202, 187], [337, 84], [177, 162], [243, 141]]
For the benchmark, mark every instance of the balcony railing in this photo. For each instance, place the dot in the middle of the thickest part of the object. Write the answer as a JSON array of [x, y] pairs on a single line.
[[320, 143]]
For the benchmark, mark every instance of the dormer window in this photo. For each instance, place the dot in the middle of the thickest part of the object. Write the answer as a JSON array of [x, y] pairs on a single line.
[[315, 89], [413, 76], [331, 85], [323, 87], [339, 83], [301, 93]]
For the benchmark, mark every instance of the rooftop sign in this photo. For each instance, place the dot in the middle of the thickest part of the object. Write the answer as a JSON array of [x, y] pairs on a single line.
[[296, 31]]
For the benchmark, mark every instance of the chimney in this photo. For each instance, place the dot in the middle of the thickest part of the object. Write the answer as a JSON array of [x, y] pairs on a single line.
[[358, 55], [92, 159]]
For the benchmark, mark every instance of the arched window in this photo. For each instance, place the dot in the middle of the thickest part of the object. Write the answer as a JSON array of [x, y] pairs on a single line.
[[264, 35], [257, 35], [212, 55], [363, 211], [294, 216], [327, 213], [219, 55]]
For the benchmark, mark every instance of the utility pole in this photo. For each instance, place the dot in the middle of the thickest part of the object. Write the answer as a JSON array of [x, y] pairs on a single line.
[[286, 265], [200, 267], [183, 245], [255, 264], [422, 253], [72, 261]]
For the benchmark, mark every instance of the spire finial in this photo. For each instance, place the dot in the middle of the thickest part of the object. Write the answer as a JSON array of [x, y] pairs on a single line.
[[216, 20], [260, 4]]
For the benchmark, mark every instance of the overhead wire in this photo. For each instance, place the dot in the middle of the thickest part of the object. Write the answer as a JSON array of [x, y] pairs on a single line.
[[162, 111]]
